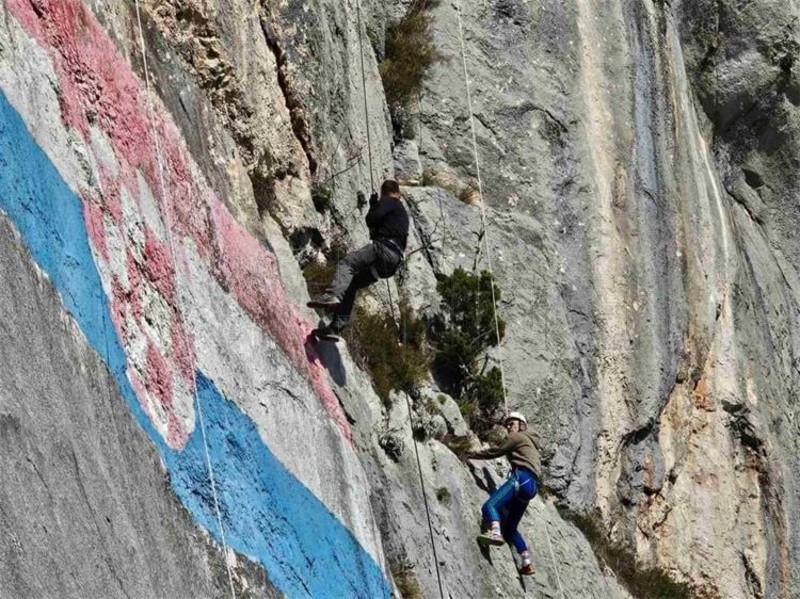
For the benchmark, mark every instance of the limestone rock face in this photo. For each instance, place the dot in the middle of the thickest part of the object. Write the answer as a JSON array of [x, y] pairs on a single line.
[[654, 147], [407, 166], [638, 168], [83, 491]]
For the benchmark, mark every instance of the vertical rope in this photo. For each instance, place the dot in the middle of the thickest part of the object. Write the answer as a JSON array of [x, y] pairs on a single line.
[[488, 249], [391, 305], [553, 557], [369, 138], [425, 498], [487, 245], [168, 227], [364, 89]]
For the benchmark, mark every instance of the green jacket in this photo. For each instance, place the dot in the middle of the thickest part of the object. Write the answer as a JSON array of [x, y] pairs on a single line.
[[522, 450]]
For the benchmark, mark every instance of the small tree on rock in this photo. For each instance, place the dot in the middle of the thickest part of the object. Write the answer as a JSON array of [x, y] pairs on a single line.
[[461, 334]]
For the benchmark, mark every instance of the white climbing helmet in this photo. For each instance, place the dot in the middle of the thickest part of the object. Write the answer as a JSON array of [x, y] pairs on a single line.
[[516, 416]]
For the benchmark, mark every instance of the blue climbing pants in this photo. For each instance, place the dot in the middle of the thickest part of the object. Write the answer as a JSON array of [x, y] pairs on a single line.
[[508, 504]]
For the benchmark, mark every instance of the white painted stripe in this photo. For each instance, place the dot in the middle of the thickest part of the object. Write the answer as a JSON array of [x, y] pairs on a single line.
[[249, 368], [246, 364]]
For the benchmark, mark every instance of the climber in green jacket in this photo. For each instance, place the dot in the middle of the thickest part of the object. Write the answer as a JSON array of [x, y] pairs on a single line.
[[506, 506]]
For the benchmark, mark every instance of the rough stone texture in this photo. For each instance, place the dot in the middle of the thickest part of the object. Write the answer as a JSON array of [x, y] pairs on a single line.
[[93, 195], [639, 164], [284, 80], [653, 145], [447, 407], [407, 165], [85, 505], [454, 496]]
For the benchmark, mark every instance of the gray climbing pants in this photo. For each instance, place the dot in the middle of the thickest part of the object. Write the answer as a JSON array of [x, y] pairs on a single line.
[[360, 269]]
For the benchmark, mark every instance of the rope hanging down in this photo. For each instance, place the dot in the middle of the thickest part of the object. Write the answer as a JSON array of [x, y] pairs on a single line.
[[424, 497], [168, 227], [457, 5], [366, 123], [391, 303], [487, 245], [364, 89], [553, 557]]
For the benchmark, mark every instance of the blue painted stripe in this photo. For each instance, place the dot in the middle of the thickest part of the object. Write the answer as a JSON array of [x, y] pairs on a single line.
[[268, 514]]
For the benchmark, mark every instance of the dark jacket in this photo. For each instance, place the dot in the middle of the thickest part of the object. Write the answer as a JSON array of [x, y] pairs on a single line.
[[522, 450], [387, 219]]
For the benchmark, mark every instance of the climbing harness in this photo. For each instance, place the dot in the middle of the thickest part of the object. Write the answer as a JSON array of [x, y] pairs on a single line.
[[168, 226], [391, 304], [457, 5]]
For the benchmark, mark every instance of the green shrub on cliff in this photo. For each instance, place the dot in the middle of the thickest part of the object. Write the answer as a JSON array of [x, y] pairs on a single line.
[[410, 52], [375, 342], [461, 334]]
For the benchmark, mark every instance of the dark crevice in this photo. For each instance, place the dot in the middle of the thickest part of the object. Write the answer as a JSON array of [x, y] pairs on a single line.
[[425, 238], [753, 178], [300, 126], [638, 435], [562, 127], [483, 121], [753, 583], [744, 203], [263, 192], [39, 474]]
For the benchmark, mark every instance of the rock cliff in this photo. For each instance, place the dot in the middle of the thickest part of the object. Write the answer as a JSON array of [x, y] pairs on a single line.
[[167, 429]]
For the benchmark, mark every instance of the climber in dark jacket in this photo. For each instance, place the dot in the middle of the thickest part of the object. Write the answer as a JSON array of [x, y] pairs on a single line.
[[506, 506], [387, 221]]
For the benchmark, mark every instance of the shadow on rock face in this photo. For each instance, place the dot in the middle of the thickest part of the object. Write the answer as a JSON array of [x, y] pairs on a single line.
[[485, 552], [327, 352], [483, 479]]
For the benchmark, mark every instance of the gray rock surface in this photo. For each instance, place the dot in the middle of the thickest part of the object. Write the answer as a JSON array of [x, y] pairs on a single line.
[[639, 167], [448, 408], [85, 506], [564, 560], [407, 165], [651, 144]]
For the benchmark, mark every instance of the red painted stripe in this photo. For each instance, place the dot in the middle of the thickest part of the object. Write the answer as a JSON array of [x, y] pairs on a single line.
[[98, 88]]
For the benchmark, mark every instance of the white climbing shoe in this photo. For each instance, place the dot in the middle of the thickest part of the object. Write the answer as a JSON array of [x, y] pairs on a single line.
[[491, 537]]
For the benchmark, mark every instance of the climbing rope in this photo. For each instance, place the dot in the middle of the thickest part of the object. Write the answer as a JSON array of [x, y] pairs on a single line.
[[391, 305], [487, 245], [364, 89], [168, 224], [424, 497], [457, 4], [366, 121]]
